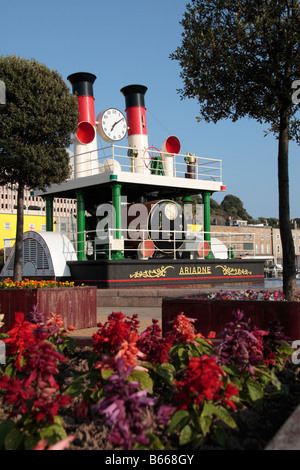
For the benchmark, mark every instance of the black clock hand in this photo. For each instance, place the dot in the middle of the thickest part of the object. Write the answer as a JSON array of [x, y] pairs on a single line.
[[117, 122]]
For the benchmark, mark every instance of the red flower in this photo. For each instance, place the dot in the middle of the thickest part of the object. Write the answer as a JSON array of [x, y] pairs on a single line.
[[231, 391], [151, 343], [129, 351], [47, 403], [41, 363], [184, 331], [270, 361], [21, 337], [202, 381], [110, 336], [17, 394]]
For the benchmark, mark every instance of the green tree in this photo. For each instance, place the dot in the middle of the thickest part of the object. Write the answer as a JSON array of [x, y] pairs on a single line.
[[37, 122], [241, 58], [234, 206]]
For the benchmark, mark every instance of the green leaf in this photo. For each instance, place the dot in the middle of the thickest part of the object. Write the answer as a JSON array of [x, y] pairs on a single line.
[[69, 344], [5, 427], [225, 416], [182, 354], [179, 419], [220, 435], [53, 433], [205, 424], [14, 439], [30, 442], [155, 442], [93, 357], [76, 387], [166, 371], [255, 389], [106, 373], [186, 435], [10, 370], [208, 409], [144, 379]]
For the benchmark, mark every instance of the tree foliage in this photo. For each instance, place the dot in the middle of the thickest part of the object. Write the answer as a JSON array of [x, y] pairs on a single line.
[[234, 206], [241, 58], [37, 122]]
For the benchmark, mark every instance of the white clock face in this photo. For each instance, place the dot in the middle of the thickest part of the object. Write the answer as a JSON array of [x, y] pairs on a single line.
[[171, 211], [112, 125]]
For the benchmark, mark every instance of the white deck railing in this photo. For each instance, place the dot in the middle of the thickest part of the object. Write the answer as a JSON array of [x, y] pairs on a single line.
[[182, 245], [118, 158]]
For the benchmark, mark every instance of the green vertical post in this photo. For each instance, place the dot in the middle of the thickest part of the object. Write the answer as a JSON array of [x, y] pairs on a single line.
[[116, 198], [80, 225], [49, 213], [207, 229]]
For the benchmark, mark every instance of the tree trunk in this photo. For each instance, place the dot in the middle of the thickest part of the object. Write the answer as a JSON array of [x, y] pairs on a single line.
[[19, 235], [288, 249]]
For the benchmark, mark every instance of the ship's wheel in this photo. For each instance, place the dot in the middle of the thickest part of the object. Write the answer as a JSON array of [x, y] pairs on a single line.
[[153, 160]]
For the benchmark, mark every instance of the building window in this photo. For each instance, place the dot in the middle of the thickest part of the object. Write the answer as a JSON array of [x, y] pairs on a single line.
[[278, 249], [7, 226]]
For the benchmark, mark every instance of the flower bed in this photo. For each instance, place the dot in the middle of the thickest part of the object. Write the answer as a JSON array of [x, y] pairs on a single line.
[[77, 305], [213, 310], [137, 391]]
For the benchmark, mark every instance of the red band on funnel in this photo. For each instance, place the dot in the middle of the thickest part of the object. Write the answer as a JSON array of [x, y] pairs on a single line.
[[86, 121], [136, 120], [172, 144], [86, 109]]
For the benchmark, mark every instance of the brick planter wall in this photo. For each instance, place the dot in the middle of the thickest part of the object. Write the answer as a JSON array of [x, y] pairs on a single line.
[[212, 315], [76, 305]]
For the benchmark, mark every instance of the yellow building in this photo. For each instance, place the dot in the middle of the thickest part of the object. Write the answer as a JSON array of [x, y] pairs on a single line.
[[8, 226]]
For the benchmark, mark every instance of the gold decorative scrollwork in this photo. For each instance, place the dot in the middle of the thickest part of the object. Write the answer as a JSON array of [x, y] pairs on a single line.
[[151, 273], [227, 271]]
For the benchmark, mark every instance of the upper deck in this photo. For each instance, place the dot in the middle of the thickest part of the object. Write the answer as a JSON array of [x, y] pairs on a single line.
[[161, 174]]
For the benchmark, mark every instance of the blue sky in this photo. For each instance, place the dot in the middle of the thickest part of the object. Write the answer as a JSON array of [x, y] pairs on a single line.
[[125, 42]]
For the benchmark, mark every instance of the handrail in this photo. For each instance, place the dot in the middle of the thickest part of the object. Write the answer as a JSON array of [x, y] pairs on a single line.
[[222, 242], [202, 168]]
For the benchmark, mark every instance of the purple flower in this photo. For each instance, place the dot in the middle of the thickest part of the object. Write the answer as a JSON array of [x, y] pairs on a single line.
[[242, 344], [126, 409], [164, 413], [35, 316]]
